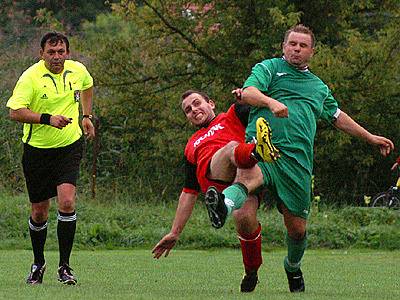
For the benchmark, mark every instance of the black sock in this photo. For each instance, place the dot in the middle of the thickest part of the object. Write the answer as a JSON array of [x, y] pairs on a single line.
[[38, 233], [66, 232]]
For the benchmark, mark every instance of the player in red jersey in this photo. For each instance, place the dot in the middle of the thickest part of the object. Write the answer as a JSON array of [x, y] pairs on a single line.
[[212, 155]]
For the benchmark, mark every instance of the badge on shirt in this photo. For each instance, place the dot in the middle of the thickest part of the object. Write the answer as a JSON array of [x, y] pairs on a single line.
[[77, 96]]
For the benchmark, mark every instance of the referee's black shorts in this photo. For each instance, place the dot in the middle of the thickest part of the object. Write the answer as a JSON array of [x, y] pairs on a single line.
[[45, 169]]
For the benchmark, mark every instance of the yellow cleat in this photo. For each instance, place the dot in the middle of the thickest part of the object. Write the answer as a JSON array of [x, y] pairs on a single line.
[[265, 150]]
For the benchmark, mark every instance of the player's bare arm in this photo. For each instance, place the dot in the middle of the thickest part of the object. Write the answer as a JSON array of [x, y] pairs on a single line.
[[182, 215], [345, 123]]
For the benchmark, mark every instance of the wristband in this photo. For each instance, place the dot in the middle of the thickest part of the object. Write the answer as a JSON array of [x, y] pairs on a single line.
[[90, 117], [45, 119]]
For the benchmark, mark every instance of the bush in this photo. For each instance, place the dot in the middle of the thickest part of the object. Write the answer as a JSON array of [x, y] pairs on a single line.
[[122, 223]]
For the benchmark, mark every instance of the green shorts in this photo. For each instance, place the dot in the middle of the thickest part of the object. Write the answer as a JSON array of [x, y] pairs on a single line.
[[291, 182]]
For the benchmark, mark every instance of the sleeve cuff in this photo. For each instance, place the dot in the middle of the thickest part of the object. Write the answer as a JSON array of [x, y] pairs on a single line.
[[190, 191], [336, 114], [15, 106]]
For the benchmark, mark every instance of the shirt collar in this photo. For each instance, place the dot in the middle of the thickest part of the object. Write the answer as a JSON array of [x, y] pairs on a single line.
[[304, 69]]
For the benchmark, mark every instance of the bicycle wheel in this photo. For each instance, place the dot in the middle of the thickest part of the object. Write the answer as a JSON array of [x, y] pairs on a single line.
[[380, 200], [394, 202]]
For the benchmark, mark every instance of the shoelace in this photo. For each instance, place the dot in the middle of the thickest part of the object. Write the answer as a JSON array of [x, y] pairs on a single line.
[[67, 270]]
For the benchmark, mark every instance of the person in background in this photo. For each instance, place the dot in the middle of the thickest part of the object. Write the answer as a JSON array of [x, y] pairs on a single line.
[[46, 100]]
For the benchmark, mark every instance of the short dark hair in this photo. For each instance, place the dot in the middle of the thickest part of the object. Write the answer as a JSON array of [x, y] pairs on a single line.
[[189, 92], [300, 28], [53, 38]]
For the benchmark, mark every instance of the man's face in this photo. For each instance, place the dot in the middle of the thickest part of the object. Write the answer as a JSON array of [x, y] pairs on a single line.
[[54, 56], [198, 111], [298, 49]]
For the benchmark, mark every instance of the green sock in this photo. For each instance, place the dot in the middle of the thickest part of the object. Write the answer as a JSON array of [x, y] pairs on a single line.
[[235, 195], [296, 250]]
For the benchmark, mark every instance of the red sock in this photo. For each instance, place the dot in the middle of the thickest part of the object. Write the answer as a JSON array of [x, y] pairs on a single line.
[[243, 157], [251, 249]]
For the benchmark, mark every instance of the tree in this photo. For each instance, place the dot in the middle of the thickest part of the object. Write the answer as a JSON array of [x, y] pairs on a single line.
[[150, 52], [147, 54], [363, 73]]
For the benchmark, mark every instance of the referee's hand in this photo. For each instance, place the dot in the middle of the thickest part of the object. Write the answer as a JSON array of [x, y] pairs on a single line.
[[88, 128], [59, 121]]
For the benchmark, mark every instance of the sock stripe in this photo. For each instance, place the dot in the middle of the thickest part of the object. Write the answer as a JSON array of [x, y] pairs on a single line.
[[250, 240], [64, 218], [292, 265], [35, 227], [242, 187]]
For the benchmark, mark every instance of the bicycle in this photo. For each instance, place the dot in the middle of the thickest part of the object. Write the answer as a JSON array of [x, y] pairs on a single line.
[[390, 198]]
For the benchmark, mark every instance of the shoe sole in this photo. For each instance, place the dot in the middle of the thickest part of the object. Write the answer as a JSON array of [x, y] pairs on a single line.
[[264, 147], [211, 201], [68, 282]]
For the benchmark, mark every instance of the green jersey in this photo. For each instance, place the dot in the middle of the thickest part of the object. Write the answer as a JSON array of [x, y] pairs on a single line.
[[307, 99], [41, 91]]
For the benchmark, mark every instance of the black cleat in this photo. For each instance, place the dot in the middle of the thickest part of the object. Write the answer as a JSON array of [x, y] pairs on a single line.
[[249, 282], [65, 276], [36, 274], [217, 211], [296, 281]]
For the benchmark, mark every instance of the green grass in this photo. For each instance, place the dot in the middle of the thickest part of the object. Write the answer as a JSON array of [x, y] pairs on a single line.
[[125, 224], [216, 274]]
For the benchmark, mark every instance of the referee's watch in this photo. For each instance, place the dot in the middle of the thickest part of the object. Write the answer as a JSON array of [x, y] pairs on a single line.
[[88, 116]]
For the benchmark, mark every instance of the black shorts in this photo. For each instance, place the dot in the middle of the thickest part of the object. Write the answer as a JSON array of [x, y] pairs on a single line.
[[45, 169]]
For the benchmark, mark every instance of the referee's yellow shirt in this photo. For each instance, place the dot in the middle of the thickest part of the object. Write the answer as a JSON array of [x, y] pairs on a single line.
[[41, 91]]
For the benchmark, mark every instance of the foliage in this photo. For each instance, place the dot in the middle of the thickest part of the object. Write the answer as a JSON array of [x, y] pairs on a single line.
[[68, 13], [128, 223], [144, 54], [331, 20], [363, 79]]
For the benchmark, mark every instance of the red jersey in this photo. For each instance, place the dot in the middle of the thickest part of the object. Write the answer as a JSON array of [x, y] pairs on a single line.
[[203, 144]]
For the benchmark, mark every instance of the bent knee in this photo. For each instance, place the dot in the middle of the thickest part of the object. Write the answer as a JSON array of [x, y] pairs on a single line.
[[67, 205], [232, 144], [297, 234], [243, 216], [245, 220], [40, 216], [248, 211]]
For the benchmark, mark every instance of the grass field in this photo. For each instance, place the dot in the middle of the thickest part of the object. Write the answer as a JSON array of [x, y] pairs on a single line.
[[187, 274]]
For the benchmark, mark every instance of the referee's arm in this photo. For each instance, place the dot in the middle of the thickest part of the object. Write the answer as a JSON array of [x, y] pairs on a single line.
[[25, 115], [87, 102]]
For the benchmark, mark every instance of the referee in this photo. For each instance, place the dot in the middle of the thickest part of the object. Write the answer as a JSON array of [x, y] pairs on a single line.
[[46, 100]]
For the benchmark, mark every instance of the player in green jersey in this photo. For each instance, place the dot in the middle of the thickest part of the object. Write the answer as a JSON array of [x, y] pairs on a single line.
[[46, 100], [284, 93]]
